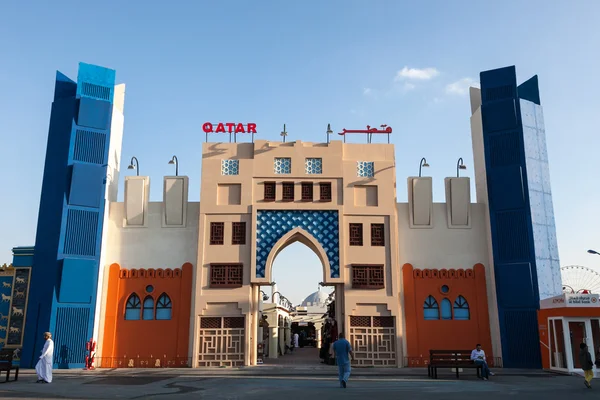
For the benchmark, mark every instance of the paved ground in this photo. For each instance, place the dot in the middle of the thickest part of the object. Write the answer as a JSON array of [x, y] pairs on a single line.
[[291, 383]]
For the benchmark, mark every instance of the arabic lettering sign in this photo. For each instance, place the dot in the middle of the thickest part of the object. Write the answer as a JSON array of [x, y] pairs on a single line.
[[582, 300]]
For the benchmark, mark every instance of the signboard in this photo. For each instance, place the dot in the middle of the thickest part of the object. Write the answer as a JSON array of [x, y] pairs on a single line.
[[571, 300], [229, 127]]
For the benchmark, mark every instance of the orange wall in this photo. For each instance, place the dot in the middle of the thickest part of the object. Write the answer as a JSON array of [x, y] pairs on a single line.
[[422, 335], [152, 338], [569, 312]]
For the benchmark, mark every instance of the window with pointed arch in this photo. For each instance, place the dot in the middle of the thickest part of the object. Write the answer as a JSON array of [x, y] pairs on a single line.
[[461, 309], [431, 309], [164, 307], [148, 311], [446, 309], [133, 308]]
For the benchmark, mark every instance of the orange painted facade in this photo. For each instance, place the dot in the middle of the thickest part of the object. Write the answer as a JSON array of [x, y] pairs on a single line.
[[583, 313], [445, 334], [147, 340]]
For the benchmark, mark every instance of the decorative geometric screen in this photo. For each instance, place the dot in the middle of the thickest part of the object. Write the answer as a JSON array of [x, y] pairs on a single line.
[[365, 169], [373, 340], [367, 277], [230, 167], [283, 165], [226, 275], [272, 225], [313, 166]]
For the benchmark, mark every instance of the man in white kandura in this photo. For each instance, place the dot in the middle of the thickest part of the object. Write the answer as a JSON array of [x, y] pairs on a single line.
[[44, 366]]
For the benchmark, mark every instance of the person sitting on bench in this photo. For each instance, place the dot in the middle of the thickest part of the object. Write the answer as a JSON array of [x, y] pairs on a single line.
[[478, 357]]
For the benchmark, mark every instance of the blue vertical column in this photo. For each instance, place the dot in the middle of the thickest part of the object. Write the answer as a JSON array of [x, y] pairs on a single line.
[[510, 218], [66, 261]]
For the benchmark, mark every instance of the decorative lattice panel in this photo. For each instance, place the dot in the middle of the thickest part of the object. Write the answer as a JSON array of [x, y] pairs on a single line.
[[368, 277], [365, 169], [221, 347], [217, 233], [325, 191], [226, 275], [373, 346], [283, 165], [307, 191], [230, 167], [313, 166], [269, 194], [272, 225], [360, 321], [377, 235], [238, 233]]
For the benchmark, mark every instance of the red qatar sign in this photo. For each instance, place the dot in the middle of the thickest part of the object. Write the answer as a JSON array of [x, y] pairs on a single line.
[[232, 127]]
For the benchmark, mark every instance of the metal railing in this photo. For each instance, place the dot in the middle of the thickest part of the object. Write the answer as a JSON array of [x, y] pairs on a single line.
[[142, 362]]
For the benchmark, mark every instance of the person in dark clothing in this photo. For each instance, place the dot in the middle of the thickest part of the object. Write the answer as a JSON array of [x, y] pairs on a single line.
[[585, 359]]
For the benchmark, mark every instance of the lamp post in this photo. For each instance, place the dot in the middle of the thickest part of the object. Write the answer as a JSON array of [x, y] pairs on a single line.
[[265, 296], [593, 252], [329, 132], [422, 164], [135, 166], [175, 161], [460, 165], [283, 133]]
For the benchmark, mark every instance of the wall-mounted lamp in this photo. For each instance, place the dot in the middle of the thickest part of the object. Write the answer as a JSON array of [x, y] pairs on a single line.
[[175, 161], [265, 296], [283, 133], [135, 166], [422, 164], [460, 165], [329, 132]]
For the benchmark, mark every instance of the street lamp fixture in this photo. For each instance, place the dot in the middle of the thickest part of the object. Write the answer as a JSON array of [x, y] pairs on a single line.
[[135, 166], [422, 164], [329, 132], [265, 296], [593, 252], [460, 165], [175, 161], [283, 133]]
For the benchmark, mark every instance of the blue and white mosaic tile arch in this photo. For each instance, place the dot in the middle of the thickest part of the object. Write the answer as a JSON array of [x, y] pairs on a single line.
[[322, 225]]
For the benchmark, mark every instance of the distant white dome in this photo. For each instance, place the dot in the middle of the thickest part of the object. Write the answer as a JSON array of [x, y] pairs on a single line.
[[317, 298]]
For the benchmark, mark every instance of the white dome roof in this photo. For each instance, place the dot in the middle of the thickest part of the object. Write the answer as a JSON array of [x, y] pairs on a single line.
[[317, 298]]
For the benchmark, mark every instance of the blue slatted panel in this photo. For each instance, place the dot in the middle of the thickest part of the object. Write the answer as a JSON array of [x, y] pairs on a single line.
[[89, 146], [81, 232], [511, 235], [504, 149], [95, 91], [70, 336], [519, 344]]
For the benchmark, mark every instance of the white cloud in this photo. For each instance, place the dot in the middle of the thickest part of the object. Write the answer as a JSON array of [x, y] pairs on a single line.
[[367, 91], [424, 74], [461, 86]]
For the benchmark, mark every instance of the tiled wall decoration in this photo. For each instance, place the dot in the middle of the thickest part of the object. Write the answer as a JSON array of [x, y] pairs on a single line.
[[365, 169], [313, 166], [283, 165], [230, 167], [272, 225]]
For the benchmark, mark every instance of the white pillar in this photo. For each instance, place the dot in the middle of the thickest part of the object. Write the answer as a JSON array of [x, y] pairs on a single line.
[[318, 329], [273, 341]]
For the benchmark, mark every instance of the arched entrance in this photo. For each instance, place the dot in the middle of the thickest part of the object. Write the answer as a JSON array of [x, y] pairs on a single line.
[[299, 332]]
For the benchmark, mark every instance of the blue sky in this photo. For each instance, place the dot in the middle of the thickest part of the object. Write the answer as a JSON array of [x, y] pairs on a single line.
[[304, 64]]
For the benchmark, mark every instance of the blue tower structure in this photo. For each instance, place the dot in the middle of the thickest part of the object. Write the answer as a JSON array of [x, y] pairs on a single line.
[[508, 131], [75, 188]]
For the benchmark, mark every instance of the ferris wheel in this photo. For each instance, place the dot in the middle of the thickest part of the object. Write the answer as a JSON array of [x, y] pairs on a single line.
[[580, 279]]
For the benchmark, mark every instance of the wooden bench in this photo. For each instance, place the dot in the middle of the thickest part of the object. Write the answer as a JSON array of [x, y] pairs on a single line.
[[450, 359], [6, 358]]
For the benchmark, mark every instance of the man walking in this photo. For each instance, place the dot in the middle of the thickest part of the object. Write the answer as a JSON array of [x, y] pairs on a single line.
[[478, 357], [585, 359], [343, 355], [43, 368]]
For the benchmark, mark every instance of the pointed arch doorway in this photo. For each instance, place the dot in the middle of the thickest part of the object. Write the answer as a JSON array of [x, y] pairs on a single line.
[[314, 322]]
